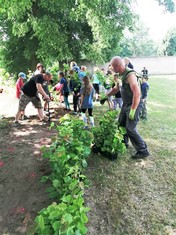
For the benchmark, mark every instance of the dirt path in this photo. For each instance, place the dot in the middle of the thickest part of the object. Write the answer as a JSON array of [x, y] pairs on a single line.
[[21, 166]]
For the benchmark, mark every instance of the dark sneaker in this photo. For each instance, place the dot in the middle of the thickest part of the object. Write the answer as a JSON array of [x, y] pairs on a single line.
[[16, 123], [140, 155]]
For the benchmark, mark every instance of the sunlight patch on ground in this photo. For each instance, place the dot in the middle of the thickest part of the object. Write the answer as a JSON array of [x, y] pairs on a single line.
[[23, 133]]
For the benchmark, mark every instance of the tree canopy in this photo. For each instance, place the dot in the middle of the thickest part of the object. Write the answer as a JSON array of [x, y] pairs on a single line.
[[61, 30], [137, 43], [168, 45], [55, 30]]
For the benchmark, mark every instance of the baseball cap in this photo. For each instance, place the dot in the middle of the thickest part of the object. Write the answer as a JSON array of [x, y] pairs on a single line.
[[22, 75]]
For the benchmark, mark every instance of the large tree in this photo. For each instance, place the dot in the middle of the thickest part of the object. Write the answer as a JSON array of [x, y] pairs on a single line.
[[62, 30]]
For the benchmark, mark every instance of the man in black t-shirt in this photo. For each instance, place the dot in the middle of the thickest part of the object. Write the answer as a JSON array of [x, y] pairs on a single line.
[[30, 92]]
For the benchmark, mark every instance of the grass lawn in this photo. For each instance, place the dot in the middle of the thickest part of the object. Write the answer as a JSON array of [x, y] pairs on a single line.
[[138, 197]]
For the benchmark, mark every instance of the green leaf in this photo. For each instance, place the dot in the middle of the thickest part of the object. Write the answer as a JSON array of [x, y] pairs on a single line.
[[84, 209], [41, 222], [67, 198], [77, 232], [84, 218], [56, 225], [62, 206], [54, 214], [84, 163], [44, 179], [70, 231], [56, 183], [68, 218], [52, 125], [82, 228]]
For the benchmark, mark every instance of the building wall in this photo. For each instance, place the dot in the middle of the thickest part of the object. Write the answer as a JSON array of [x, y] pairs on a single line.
[[155, 65]]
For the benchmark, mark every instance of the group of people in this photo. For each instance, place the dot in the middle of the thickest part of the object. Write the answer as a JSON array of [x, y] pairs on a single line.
[[125, 88]]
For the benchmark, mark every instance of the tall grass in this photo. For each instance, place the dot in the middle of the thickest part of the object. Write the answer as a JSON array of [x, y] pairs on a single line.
[[139, 197]]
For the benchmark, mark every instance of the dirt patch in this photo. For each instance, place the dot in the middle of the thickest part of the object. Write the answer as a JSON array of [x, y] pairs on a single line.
[[21, 169]]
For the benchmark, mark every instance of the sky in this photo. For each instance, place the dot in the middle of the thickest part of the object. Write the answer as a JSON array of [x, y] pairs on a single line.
[[154, 17]]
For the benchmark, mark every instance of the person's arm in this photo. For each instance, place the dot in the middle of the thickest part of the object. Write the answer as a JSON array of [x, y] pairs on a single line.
[[42, 92], [132, 80], [82, 97]]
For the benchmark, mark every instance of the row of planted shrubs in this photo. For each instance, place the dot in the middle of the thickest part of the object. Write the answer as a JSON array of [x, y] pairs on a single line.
[[67, 156]]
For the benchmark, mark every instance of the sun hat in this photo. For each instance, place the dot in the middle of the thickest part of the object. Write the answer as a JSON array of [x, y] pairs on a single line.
[[22, 75]]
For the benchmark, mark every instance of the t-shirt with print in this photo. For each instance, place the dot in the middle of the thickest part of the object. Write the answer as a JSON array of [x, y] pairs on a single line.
[[30, 88]]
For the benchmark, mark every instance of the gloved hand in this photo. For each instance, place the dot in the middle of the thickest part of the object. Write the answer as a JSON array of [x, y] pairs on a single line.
[[132, 114], [102, 101]]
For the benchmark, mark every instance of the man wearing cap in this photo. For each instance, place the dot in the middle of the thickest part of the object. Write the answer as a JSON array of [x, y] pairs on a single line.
[[30, 94]]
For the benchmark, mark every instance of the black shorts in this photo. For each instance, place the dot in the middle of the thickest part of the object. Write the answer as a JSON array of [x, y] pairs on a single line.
[[96, 87]]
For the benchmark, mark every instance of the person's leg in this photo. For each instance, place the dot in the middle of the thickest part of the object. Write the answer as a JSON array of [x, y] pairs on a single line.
[[75, 103], [96, 87], [135, 138], [114, 103], [23, 102], [67, 104], [145, 109], [120, 102], [18, 115], [122, 122], [91, 117], [83, 114], [40, 114], [38, 105]]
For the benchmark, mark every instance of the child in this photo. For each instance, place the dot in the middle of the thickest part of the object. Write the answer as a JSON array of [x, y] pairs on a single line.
[[57, 88], [117, 100], [144, 91], [87, 93], [75, 87], [107, 85], [19, 85], [64, 89], [96, 83]]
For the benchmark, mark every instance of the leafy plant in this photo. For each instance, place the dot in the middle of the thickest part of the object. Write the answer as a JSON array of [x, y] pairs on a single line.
[[108, 136], [67, 156], [100, 76]]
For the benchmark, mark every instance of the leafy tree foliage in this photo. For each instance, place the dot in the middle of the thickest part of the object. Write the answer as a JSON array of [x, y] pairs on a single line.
[[168, 4], [168, 45], [60, 30], [137, 43], [33, 31]]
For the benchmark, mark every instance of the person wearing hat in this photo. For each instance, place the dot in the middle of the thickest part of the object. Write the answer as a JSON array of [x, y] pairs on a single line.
[[19, 85], [39, 69]]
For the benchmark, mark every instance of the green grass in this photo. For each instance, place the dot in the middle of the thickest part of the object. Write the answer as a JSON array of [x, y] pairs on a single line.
[[139, 197]]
